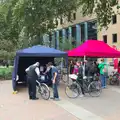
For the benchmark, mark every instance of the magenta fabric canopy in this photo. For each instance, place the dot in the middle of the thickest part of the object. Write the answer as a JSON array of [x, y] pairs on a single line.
[[94, 48]]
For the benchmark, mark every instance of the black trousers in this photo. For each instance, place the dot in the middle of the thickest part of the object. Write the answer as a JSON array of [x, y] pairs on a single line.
[[80, 80], [31, 87]]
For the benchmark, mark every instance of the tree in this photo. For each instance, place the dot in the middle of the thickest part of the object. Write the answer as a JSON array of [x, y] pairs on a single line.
[[66, 44], [23, 22], [102, 9], [39, 16]]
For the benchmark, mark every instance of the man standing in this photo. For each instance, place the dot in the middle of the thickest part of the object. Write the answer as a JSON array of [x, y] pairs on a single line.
[[103, 71], [80, 77], [32, 75], [54, 73]]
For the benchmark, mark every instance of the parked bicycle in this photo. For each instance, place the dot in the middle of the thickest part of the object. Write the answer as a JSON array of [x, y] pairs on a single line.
[[91, 85], [114, 78], [62, 74], [43, 89]]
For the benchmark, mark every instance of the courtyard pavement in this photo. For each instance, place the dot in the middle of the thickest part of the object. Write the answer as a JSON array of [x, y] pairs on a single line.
[[19, 107]]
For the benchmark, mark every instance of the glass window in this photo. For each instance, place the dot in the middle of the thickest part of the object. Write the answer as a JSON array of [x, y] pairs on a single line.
[[105, 38], [114, 38], [114, 19], [69, 17], [74, 16]]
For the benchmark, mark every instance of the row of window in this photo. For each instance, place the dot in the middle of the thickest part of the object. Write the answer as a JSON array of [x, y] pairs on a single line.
[[70, 17], [73, 17], [114, 38]]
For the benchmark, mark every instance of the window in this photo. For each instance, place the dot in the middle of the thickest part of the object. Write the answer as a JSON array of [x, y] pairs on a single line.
[[114, 38], [114, 19], [105, 38], [56, 22], [69, 17], [74, 16], [61, 20]]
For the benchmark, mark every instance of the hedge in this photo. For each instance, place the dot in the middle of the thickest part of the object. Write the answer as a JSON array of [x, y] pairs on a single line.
[[6, 73]]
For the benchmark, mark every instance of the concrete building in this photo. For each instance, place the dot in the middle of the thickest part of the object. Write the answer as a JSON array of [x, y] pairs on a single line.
[[78, 30], [83, 28], [111, 36]]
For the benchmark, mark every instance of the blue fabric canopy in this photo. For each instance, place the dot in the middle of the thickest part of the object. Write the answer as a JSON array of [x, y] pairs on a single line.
[[35, 51], [41, 51]]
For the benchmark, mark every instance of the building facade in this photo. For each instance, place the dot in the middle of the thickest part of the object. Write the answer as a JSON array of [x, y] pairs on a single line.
[[78, 30], [111, 36], [84, 28]]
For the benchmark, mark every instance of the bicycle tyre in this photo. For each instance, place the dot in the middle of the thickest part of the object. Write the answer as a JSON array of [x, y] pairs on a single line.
[[43, 89], [74, 87], [95, 87], [64, 78]]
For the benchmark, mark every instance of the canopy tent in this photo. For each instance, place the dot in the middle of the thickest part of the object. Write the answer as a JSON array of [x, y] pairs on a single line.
[[38, 53], [94, 48], [41, 51]]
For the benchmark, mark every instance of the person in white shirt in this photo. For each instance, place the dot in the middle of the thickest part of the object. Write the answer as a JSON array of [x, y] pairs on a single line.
[[33, 73]]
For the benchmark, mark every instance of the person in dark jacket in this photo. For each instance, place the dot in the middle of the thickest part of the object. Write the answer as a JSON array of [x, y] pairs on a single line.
[[80, 77], [71, 67], [32, 75]]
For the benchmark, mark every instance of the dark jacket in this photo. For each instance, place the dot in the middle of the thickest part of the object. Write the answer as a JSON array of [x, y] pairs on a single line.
[[80, 73]]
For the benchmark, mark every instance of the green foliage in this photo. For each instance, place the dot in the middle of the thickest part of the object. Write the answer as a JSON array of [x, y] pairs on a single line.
[[23, 22], [66, 44], [102, 9], [6, 73]]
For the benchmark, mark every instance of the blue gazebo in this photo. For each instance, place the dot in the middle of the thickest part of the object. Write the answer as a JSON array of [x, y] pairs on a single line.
[[28, 56]]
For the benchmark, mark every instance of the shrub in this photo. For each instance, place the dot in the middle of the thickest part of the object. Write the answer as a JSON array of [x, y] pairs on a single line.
[[6, 73]]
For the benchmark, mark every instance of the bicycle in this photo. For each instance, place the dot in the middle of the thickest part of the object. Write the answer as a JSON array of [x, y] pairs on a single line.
[[91, 85], [114, 79], [43, 89], [62, 74]]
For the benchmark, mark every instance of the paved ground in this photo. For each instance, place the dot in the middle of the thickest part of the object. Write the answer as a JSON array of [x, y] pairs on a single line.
[[18, 107]]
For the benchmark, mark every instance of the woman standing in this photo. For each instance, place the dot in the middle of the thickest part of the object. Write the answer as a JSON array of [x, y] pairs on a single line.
[[76, 68]]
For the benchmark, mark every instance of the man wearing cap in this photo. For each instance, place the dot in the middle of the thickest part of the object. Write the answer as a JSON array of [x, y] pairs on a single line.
[[32, 75]]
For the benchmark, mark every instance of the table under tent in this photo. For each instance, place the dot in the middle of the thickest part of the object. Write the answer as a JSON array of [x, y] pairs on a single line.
[[26, 57]]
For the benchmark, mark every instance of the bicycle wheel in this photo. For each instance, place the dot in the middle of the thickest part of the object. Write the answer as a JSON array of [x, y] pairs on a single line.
[[44, 91], [73, 90], [64, 78], [95, 89]]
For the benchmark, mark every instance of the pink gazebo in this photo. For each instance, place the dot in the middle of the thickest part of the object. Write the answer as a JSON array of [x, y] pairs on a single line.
[[94, 48]]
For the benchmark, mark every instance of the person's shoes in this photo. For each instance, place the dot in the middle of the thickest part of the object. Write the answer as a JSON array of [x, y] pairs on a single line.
[[57, 99], [15, 92], [35, 98], [105, 87], [30, 97], [81, 95]]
